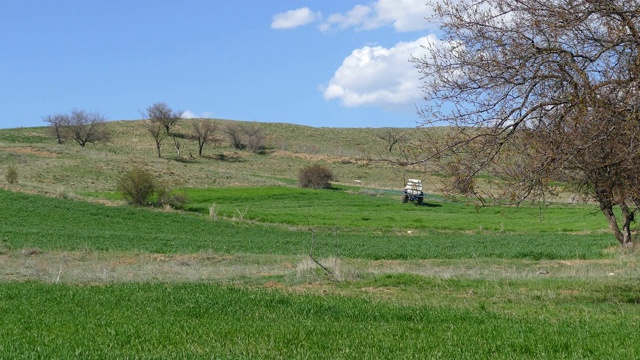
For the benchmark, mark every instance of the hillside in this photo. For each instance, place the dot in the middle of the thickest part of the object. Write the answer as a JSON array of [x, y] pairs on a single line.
[[46, 167]]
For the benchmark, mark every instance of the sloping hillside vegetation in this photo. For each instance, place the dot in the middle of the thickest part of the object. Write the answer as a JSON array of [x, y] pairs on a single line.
[[44, 166]]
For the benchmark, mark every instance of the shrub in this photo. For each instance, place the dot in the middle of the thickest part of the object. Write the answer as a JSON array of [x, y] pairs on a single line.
[[137, 186], [315, 177], [235, 135], [140, 187], [12, 175], [166, 198]]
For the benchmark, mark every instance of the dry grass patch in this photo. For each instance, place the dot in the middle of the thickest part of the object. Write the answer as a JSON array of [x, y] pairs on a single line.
[[291, 271], [32, 151]]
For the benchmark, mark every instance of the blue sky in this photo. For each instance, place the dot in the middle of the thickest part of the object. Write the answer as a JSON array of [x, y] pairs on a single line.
[[333, 63]]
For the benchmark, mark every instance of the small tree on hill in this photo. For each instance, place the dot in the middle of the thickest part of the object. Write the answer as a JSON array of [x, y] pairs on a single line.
[[87, 127], [162, 114], [158, 133], [254, 137], [315, 177], [58, 126], [391, 137], [235, 135], [204, 132]]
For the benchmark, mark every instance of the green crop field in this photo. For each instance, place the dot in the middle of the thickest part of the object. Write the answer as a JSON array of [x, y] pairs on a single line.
[[207, 321], [347, 208], [59, 224], [254, 267]]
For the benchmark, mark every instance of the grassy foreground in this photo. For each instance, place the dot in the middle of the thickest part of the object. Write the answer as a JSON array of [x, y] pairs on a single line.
[[207, 321]]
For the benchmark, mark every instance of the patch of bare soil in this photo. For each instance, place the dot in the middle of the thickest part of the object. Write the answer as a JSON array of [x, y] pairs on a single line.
[[32, 151], [586, 262], [274, 284], [312, 287]]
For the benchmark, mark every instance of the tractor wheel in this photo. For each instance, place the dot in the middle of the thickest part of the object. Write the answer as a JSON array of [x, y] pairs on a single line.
[[405, 199], [420, 201]]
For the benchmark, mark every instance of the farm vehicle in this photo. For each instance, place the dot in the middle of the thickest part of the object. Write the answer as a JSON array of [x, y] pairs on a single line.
[[413, 192]]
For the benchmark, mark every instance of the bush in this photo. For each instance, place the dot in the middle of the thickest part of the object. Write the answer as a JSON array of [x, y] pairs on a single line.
[[166, 198], [315, 177], [140, 187], [137, 186], [12, 175]]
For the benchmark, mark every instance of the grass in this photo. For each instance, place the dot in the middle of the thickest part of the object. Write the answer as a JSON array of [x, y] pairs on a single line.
[[60, 224], [348, 210], [204, 321]]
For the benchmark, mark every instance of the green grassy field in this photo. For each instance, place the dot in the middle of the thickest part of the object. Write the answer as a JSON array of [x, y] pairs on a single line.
[[347, 208], [59, 224], [208, 321], [83, 275]]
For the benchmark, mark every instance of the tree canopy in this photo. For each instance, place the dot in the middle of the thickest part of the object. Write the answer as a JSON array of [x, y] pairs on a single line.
[[540, 91], [161, 113]]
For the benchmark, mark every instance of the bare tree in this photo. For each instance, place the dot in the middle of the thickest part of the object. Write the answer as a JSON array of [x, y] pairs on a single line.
[[235, 135], [392, 137], [158, 133], [537, 91], [177, 144], [204, 132], [254, 136], [87, 127], [58, 126], [161, 113]]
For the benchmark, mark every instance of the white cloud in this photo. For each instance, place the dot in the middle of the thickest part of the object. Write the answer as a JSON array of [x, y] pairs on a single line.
[[191, 115], [379, 76], [403, 15], [294, 18], [359, 15]]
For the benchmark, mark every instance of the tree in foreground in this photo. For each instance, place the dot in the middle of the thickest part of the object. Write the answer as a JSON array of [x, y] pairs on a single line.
[[315, 177], [537, 91], [162, 114]]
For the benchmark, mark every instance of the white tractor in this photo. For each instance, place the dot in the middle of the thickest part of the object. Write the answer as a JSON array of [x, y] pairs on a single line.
[[413, 192]]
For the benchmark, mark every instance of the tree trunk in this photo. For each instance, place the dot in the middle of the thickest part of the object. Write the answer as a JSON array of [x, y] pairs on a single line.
[[200, 146], [623, 235]]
